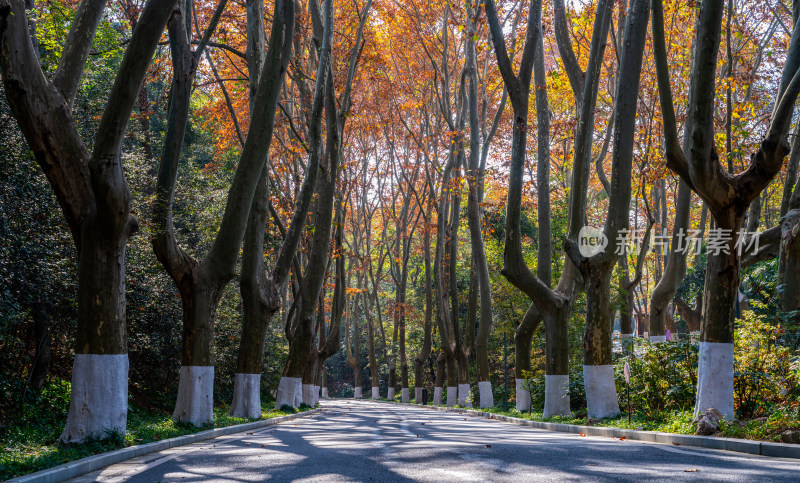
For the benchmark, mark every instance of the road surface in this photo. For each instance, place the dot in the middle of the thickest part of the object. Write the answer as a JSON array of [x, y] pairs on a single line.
[[368, 441]]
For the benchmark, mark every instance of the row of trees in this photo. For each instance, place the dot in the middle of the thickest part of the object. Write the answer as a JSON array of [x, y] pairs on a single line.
[[356, 132]]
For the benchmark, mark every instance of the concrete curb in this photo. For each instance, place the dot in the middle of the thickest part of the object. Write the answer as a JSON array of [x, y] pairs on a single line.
[[763, 448], [92, 463]]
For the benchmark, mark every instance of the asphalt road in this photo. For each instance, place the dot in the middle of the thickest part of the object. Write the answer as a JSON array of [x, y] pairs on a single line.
[[367, 441]]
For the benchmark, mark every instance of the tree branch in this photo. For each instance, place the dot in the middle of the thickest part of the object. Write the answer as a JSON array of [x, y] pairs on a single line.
[[77, 48]]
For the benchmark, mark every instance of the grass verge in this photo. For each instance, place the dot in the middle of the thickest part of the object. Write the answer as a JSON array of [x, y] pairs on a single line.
[[30, 442]]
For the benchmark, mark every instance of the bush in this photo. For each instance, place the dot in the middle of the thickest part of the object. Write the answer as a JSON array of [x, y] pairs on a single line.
[[663, 377], [764, 372]]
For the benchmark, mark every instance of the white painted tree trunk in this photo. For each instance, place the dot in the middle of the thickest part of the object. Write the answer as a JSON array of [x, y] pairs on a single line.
[[358, 393], [452, 395], [601, 392], [437, 395], [246, 396], [715, 379], [195, 403], [656, 339], [523, 396], [390, 394], [556, 395], [376, 393], [418, 395], [287, 387], [325, 393], [316, 395], [298, 394], [98, 403], [308, 394], [463, 396], [404, 395], [487, 397]]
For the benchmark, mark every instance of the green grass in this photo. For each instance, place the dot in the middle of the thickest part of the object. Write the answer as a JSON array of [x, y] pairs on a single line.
[[670, 422], [680, 422], [30, 442]]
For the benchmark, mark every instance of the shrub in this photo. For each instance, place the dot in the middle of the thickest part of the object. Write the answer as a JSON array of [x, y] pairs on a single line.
[[663, 376], [764, 372]]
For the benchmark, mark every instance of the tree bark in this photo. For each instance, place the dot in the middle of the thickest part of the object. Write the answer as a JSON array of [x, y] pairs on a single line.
[[475, 178], [598, 370], [553, 306], [260, 293], [727, 196], [91, 190], [422, 356], [200, 282]]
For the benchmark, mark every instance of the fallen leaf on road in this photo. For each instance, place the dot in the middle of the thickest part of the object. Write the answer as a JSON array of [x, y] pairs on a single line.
[[582, 435], [692, 470], [465, 419], [488, 445], [295, 425], [249, 433], [262, 446], [676, 444], [419, 436], [622, 438], [592, 464], [422, 424], [247, 444]]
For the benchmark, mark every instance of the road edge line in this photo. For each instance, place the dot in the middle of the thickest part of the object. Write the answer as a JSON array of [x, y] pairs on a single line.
[[79, 467], [746, 446]]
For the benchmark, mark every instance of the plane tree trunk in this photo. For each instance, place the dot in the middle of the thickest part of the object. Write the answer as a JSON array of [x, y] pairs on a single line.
[[550, 305], [91, 189], [422, 356], [200, 282], [728, 196], [475, 180], [336, 112], [598, 370]]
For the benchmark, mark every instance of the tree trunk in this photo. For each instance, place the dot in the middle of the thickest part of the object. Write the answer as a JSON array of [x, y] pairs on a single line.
[[422, 356], [479, 264], [438, 385], [598, 371], [790, 252], [311, 284], [91, 190], [354, 353], [727, 196], [256, 308], [373, 360], [552, 304], [675, 271], [335, 116], [200, 283], [41, 337]]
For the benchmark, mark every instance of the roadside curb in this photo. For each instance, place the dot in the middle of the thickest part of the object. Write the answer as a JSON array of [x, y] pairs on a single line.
[[763, 448], [82, 466]]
